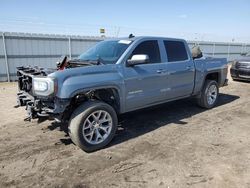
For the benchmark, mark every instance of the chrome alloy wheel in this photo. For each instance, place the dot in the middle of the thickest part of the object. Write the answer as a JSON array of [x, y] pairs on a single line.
[[97, 127], [212, 94]]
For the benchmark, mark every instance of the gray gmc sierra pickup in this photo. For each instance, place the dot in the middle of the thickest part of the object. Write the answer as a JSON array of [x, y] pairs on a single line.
[[117, 76]]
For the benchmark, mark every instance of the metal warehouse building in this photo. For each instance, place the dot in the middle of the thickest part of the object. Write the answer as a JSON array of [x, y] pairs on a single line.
[[18, 49]]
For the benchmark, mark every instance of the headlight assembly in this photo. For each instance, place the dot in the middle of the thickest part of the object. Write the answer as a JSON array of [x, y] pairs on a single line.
[[43, 86]]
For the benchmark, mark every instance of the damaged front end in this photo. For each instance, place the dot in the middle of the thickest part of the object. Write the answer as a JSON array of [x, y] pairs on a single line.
[[37, 93], [37, 90]]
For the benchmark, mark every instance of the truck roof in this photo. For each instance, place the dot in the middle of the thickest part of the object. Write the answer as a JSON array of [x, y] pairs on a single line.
[[146, 37]]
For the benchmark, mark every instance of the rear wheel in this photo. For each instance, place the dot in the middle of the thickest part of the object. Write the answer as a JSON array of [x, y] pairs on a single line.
[[93, 125], [209, 94]]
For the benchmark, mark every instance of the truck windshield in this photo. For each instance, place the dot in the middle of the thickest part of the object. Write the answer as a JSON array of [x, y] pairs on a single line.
[[108, 51]]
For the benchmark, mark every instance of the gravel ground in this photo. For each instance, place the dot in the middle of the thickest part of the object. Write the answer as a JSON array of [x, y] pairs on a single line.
[[173, 145]]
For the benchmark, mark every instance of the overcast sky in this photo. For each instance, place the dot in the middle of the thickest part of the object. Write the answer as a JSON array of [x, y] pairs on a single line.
[[212, 20]]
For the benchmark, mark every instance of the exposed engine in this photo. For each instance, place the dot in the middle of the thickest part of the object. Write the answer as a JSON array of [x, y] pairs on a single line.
[[25, 75]]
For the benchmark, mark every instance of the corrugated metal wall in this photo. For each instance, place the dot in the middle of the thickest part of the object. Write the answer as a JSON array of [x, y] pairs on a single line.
[[45, 50], [230, 51]]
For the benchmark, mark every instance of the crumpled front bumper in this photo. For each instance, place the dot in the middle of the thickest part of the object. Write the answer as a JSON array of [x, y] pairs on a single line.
[[42, 107]]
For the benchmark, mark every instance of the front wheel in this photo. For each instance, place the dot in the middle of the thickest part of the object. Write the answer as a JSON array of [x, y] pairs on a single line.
[[93, 125], [209, 94]]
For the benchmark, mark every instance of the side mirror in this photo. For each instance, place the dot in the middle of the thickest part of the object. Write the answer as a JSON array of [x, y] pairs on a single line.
[[137, 59], [196, 52]]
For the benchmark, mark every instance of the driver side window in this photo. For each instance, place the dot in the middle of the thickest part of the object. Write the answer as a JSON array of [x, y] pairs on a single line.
[[149, 48]]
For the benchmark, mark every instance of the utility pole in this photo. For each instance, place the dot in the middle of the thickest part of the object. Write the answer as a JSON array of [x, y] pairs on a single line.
[[6, 58], [69, 39]]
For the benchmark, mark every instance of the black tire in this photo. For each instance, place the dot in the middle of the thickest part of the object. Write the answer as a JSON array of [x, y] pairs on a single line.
[[78, 118], [203, 99]]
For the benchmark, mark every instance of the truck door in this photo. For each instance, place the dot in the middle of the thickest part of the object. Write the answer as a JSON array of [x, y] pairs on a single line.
[[145, 83], [180, 68]]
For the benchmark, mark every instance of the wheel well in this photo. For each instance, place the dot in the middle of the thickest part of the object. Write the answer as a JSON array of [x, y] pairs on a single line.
[[110, 96], [107, 95], [213, 76]]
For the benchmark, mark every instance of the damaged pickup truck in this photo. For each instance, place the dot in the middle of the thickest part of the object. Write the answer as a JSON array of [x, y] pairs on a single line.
[[118, 76]]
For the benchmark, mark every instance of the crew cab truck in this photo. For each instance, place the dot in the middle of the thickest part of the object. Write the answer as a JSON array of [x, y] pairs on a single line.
[[114, 77]]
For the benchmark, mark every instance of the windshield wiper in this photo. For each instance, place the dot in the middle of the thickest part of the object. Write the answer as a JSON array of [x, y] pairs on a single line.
[[81, 61], [99, 61]]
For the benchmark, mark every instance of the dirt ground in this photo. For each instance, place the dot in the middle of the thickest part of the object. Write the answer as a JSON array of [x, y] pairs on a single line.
[[173, 145]]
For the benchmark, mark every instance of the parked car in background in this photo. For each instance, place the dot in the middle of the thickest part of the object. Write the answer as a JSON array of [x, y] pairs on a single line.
[[118, 76], [240, 69]]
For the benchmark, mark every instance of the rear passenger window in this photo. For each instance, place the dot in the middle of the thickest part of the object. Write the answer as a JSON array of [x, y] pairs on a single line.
[[175, 50], [150, 48]]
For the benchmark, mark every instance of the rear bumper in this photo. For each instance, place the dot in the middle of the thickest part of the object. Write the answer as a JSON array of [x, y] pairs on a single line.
[[240, 74]]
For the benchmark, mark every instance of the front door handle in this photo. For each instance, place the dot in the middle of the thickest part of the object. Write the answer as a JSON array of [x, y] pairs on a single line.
[[189, 67], [160, 71]]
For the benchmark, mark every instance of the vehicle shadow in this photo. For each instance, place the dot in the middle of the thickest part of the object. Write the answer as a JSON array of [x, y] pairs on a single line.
[[242, 81], [140, 122]]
